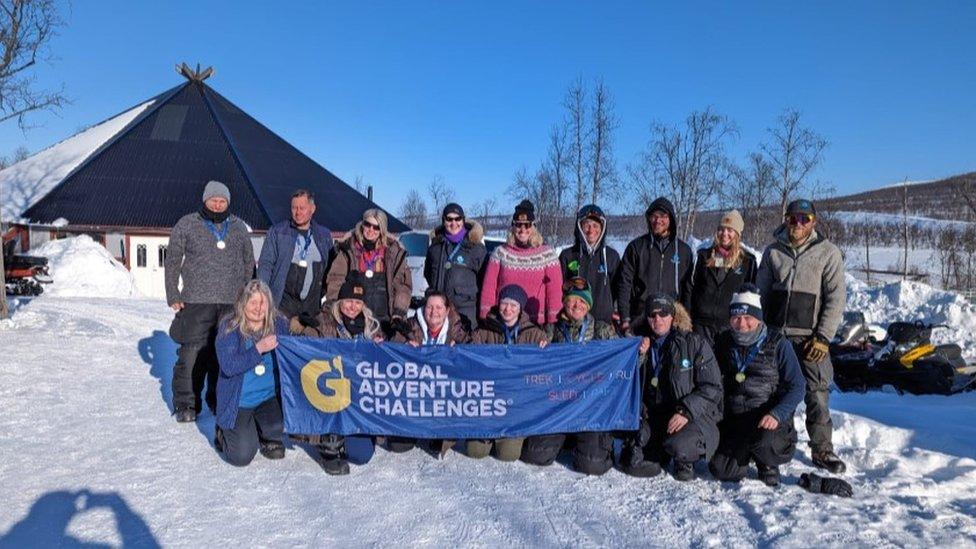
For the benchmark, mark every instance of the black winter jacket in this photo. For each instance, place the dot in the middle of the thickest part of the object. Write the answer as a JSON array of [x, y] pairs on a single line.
[[689, 382], [598, 268], [773, 383], [714, 287], [462, 281], [650, 266]]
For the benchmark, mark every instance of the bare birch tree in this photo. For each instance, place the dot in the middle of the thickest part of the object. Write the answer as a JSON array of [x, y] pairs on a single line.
[[603, 124], [795, 152], [440, 193], [413, 211], [688, 164]]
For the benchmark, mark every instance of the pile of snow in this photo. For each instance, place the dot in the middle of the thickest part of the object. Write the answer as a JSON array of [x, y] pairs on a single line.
[[897, 220], [29, 180], [83, 268], [910, 301]]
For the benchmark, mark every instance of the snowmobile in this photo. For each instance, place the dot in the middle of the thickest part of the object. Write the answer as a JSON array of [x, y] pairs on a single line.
[[905, 359], [24, 274]]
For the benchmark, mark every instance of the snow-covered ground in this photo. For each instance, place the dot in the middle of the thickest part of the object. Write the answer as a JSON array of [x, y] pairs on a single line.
[[91, 454]]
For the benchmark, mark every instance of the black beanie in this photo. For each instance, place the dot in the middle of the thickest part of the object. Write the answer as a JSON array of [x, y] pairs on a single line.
[[525, 211], [452, 208], [353, 287]]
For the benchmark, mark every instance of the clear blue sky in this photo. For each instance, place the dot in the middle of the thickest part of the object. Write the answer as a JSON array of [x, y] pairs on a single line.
[[402, 91]]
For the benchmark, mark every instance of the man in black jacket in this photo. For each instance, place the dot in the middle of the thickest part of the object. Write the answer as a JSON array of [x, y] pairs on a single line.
[[682, 395], [657, 262], [590, 258]]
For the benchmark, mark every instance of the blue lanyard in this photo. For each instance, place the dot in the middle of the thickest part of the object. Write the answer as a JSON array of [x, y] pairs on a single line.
[[753, 351], [564, 329], [655, 361], [308, 242], [371, 263], [223, 232], [454, 252], [511, 335]]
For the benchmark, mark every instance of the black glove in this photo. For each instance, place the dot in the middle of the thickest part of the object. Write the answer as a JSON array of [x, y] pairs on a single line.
[[401, 326], [825, 485], [308, 320]]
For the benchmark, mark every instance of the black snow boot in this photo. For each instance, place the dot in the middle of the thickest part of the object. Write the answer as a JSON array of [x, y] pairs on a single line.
[[335, 465], [186, 415], [632, 462], [829, 461], [684, 471], [769, 475], [272, 450]]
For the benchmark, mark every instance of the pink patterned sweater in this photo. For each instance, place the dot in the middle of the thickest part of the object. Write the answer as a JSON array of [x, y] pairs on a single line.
[[536, 270]]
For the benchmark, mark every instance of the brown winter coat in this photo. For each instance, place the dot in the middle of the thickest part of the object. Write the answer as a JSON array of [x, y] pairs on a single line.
[[329, 325], [455, 330], [492, 333], [395, 269]]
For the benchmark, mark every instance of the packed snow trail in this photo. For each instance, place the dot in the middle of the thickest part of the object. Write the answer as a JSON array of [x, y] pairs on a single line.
[[91, 454]]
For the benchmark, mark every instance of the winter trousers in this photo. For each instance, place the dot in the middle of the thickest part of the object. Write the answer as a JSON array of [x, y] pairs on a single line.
[[592, 452], [254, 427], [195, 327], [653, 443], [506, 449], [819, 376], [743, 441], [398, 445]]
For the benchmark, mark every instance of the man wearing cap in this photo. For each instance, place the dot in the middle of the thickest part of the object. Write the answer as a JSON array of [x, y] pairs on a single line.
[[763, 385], [506, 324], [801, 279], [657, 262], [210, 251], [590, 257], [294, 259], [682, 395], [592, 452], [456, 260]]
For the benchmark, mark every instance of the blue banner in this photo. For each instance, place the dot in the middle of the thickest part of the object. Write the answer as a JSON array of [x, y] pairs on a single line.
[[460, 392]]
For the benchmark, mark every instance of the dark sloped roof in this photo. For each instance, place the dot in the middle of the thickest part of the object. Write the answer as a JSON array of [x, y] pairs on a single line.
[[153, 171]]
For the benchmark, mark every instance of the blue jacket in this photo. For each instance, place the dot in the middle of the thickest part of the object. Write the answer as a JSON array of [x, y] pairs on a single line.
[[235, 360], [278, 250]]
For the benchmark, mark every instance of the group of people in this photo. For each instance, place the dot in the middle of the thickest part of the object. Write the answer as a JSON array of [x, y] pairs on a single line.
[[729, 345]]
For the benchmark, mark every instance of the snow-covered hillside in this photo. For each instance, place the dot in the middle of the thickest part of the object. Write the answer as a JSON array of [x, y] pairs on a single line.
[[91, 454]]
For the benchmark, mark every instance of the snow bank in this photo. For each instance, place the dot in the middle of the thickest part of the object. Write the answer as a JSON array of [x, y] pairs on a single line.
[[83, 268], [29, 180], [906, 300]]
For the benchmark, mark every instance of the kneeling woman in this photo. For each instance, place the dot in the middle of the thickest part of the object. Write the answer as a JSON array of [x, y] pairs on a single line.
[[347, 318], [438, 323], [763, 386], [592, 451], [248, 409], [506, 324]]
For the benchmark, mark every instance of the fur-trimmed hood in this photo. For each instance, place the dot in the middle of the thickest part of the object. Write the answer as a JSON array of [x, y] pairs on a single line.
[[682, 319], [476, 233]]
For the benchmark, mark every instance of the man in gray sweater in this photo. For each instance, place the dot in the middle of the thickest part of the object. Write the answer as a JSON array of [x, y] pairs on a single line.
[[210, 253], [801, 279]]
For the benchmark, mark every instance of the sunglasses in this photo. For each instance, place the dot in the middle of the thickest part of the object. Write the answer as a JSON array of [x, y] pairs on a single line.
[[453, 219], [658, 314], [368, 225], [799, 219], [522, 224], [576, 282]]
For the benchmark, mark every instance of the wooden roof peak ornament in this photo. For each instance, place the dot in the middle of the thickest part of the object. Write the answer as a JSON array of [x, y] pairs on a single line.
[[197, 76]]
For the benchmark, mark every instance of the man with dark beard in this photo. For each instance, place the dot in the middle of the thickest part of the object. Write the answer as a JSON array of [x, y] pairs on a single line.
[[210, 250]]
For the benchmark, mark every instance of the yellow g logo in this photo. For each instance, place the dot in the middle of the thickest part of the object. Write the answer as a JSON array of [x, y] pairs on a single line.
[[340, 386]]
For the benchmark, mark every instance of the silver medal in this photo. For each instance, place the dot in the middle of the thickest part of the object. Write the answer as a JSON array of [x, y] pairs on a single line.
[[447, 265], [653, 382], [740, 377], [259, 369], [221, 244], [302, 263], [369, 273]]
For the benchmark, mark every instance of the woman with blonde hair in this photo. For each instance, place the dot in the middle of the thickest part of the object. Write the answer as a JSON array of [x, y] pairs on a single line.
[[382, 261], [720, 271], [525, 261], [347, 318], [249, 415]]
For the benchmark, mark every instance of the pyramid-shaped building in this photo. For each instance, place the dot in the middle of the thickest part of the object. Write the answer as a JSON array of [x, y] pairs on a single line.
[[151, 170]]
